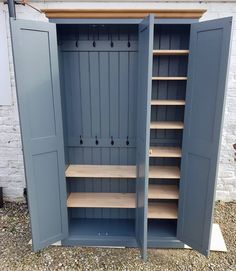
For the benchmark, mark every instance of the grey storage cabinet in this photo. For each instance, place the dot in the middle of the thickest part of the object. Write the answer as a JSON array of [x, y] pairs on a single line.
[[120, 127]]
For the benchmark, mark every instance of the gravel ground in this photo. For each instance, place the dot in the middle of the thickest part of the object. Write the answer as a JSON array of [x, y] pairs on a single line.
[[16, 254]]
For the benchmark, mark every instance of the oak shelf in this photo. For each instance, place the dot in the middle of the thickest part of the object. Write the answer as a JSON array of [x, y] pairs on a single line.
[[165, 152], [164, 172], [163, 210], [168, 78], [123, 13], [167, 102], [170, 52], [101, 171], [101, 200], [166, 125], [156, 191]]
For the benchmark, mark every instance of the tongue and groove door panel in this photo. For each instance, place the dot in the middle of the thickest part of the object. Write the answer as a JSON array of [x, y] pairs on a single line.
[[38, 91], [209, 49], [143, 129]]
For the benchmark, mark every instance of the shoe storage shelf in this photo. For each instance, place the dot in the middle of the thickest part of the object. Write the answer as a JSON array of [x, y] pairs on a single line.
[[121, 124]]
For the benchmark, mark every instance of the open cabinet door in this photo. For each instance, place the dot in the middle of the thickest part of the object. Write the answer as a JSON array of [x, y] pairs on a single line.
[[209, 49], [143, 129], [38, 91]]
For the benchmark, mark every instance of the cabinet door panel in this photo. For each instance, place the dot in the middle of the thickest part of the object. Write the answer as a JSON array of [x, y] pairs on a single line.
[[209, 48], [143, 129], [38, 92]]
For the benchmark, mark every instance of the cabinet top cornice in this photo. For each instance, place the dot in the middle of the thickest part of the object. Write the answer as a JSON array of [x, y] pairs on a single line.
[[123, 13]]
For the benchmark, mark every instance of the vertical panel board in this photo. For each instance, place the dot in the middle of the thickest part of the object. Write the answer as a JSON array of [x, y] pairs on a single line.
[[94, 60], [143, 129], [37, 79], [133, 84], [105, 116], [86, 116], [107, 106], [73, 96], [94, 93], [63, 104], [77, 120], [114, 115], [67, 88], [123, 112], [209, 46], [85, 93]]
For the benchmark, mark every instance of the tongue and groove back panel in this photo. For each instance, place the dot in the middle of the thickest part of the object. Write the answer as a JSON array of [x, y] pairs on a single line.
[[99, 81], [99, 67], [169, 37]]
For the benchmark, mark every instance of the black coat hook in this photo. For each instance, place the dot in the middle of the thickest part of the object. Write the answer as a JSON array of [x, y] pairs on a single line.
[[110, 36], [93, 32], [127, 141], [96, 141], [77, 43], [112, 141], [128, 43], [81, 140]]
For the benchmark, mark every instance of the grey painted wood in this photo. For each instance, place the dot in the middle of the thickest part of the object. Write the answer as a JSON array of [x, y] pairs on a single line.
[[143, 130], [209, 47], [100, 89], [99, 33], [169, 37], [63, 104], [101, 46], [38, 90]]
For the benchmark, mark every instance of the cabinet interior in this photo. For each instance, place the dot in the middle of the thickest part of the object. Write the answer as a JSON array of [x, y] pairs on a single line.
[[99, 79], [169, 77]]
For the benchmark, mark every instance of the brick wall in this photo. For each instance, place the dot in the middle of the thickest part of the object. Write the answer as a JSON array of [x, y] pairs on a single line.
[[11, 161]]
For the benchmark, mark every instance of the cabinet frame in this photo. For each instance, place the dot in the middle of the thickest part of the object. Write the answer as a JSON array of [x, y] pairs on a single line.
[[146, 241]]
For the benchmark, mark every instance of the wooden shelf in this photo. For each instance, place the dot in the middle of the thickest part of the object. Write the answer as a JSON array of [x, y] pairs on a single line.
[[123, 13], [162, 210], [167, 102], [102, 200], [156, 191], [160, 78], [170, 52], [101, 171], [164, 172], [165, 152], [166, 125]]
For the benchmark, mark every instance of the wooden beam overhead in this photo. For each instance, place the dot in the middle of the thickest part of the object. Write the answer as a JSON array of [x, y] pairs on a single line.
[[123, 13]]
